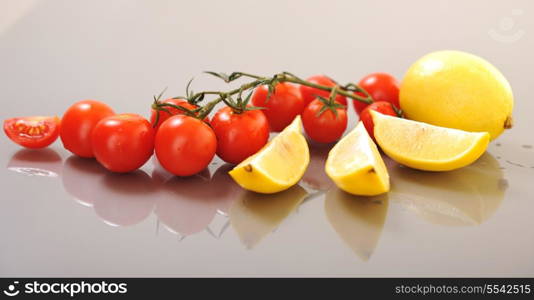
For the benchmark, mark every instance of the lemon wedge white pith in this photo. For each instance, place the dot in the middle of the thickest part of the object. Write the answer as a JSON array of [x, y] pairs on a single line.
[[427, 147], [355, 165], [278, 165]]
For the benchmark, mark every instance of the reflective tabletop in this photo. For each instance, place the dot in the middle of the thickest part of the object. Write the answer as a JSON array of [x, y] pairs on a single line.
[[61, 215]]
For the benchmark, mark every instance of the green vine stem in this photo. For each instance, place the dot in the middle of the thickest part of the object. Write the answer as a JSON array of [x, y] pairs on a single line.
[[350, 90]]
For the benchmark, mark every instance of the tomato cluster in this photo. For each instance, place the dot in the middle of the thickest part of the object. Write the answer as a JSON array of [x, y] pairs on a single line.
[[185, 142]]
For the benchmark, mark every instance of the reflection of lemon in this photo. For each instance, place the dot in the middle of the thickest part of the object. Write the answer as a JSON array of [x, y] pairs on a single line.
[[457, 90], [253, 216], [279, 165], [427, 147], [355, 164], [357, 220], [464, 197]]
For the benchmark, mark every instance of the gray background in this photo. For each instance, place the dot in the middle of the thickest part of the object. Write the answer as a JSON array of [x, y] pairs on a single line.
[[53, 53]]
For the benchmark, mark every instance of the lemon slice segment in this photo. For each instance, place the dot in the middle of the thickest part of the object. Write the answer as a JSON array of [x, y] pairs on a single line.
[[427, 147], [278, 165], [355, 165]]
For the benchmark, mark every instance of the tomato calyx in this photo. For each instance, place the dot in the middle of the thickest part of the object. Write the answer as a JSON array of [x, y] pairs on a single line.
[[239, 105], [158, 105], [330, 103]]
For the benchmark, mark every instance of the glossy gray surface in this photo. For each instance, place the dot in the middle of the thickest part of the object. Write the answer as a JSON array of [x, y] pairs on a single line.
[[65, 216]]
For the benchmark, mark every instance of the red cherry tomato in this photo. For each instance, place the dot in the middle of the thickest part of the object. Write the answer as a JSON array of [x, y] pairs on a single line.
[[123, 143], [185, 145], [326, 127], [163, 115], [284, 104], [239, 135], [309, 94], [381, 86], [381, 107], [32, 132], [78, 123]]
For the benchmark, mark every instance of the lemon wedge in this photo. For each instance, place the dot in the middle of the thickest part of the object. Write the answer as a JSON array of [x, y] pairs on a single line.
[[355, 165], [278, 165], [427, 147]]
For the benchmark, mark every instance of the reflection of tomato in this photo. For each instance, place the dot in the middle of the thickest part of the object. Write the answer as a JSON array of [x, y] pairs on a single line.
[[124, 199], [185, 145], [80, 179], [309, 94], [239, 135], [32, 132], [381, 87], [227, 190], [324, 126], [186, 206], [381, 107], [284, 104], [163, 115], [315, 176], [123, 143], [30, 162], [77, 125]]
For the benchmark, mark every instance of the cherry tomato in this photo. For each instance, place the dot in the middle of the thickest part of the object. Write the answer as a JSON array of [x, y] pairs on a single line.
[[309, 94], [381, 86], [379, 106], [185, 145], [123, 143], [239, 135], [173, 111], [78, 123], [284, 104], [326, 127], [32, 132]]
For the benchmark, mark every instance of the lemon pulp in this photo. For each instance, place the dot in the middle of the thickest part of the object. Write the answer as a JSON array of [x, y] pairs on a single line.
[[427, 147], [278, 165], [355, 165]]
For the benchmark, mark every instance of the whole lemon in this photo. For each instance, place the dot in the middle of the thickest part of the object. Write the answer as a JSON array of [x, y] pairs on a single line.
[[457, 90]]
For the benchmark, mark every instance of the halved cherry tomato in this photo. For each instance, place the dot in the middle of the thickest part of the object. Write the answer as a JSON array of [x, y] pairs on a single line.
[[325, 127], [32, 132], [123, 143], [185, 145], [309, 94], [78, 123], [283, 105], [381, 86], [379, 106], [163, 115], [239, 135]]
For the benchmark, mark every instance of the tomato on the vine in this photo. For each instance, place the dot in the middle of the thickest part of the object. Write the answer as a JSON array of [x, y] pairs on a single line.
[[322, 124], [283, 105], [78, 123], [309, 93], [185, 145], [163, 115], [381, 86], [239, 134], [32, 132], [383, 107], [123, 143]]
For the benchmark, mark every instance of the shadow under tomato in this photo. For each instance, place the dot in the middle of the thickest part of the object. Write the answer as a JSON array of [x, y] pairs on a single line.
[[124, 199], [358, 220], [253, 216], [463, 197], [36, 162]]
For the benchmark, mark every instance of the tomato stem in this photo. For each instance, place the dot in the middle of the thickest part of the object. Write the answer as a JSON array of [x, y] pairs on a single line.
[[349, 90]]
